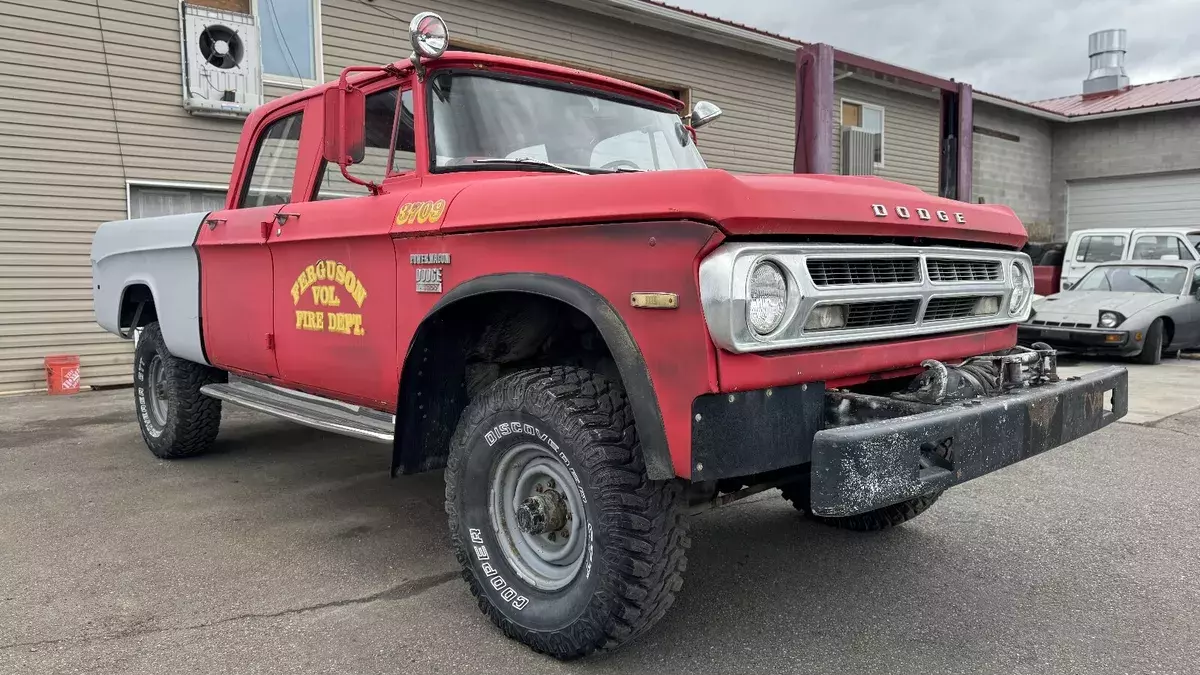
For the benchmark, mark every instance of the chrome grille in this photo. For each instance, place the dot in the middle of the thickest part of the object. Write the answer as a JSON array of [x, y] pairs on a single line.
[[884, 313], [956, 269], [961, 307], [852, 272]]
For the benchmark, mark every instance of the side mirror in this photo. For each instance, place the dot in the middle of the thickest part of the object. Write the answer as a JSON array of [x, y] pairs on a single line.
[[345, 125], [703, 113]]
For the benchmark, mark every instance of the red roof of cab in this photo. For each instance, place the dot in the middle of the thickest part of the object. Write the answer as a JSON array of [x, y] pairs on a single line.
[[492, 62], [1150, 95]]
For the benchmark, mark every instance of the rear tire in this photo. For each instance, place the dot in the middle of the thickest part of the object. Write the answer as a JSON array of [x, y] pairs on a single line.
[[872, 521], [176, 419], [1152, 348], [513, 445]]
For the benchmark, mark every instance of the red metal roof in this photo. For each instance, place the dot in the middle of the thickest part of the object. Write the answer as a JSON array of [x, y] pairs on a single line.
[[1151, 95]]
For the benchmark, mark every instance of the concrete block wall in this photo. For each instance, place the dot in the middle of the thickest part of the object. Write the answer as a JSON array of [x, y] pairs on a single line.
[[1014, 170], [1122, 146]]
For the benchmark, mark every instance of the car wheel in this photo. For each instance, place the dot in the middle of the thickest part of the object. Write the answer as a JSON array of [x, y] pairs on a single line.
[[175, 418], [564, 541], [1152, 347]]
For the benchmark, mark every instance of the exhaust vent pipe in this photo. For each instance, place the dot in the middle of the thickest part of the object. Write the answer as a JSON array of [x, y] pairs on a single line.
[[1106, 51]]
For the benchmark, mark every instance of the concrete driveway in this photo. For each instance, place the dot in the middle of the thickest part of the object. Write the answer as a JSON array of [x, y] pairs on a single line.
[[1156, 392], [291, 551]]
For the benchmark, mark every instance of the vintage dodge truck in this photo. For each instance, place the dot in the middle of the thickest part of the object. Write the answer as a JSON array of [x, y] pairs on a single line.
[[525, 275]]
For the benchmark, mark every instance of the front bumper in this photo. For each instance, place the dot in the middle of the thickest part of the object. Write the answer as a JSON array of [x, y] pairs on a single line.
[[1080, 339], [862, 467]]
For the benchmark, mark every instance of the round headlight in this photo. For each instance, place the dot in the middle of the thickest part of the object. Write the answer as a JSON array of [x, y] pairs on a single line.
[[429, 35], [1109, 319], [1022, 289], [768, 297]]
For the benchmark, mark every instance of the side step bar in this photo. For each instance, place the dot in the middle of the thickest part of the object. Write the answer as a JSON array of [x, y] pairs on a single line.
[[313, 411]]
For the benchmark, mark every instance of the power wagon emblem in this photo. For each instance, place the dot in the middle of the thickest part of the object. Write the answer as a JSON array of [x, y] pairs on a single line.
[[420, 212], [319, 285]]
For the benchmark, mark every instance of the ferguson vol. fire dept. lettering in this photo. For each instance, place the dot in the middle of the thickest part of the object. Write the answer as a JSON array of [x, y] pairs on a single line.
[[326, 295]]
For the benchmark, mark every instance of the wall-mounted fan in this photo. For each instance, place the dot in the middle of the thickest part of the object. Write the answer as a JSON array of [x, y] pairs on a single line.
[[221, 46]]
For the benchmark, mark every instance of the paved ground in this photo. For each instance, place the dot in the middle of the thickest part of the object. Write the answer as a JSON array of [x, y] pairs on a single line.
[[1155, 392], [290, 551]]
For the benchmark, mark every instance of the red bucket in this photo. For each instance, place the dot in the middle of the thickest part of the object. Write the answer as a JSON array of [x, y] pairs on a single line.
[[62, 374]]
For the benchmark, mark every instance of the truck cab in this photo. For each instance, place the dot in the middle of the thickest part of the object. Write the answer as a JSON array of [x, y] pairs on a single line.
[[526, 276]]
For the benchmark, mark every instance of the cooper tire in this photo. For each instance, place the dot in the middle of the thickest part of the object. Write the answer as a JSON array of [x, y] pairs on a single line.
[[175, 418], [872, 521], [1153, 346], [635, 529]]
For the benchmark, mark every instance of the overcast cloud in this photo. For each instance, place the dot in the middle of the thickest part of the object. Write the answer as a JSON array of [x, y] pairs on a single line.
[[1024, 49]]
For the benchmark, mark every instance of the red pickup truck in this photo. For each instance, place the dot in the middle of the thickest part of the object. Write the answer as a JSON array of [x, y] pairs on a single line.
[[526, 277]]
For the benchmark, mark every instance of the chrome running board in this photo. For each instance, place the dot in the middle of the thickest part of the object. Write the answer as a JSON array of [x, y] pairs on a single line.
[[317, 412]]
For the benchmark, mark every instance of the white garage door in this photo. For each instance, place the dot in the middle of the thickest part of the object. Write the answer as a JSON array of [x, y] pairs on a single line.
[[1160, 200]]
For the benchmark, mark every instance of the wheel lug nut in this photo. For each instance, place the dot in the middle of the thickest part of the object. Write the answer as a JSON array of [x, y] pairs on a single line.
[[550, 536]]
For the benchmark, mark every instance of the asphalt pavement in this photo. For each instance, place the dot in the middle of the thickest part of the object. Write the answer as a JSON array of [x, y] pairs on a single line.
[[291, 551]]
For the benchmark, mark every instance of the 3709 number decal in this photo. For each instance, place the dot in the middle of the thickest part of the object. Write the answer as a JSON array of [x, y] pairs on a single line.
[[420, 212]]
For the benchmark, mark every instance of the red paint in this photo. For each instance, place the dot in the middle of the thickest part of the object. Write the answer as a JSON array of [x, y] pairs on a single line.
[[613, 260], [898, 72], [1046, 279], [615, 234], [841, 365]]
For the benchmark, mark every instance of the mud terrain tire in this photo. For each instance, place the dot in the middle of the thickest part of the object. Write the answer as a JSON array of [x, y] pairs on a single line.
[[176, 419], [871, 521], [634, 530]]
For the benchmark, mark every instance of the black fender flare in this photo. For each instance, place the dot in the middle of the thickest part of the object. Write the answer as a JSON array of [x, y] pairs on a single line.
[[629, 360]]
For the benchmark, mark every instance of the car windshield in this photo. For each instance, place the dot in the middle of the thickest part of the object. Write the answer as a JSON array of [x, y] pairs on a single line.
[[485, 118], [1134, 279]]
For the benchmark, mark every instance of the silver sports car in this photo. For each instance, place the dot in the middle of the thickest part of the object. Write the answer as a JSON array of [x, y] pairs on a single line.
[[1144, 309]]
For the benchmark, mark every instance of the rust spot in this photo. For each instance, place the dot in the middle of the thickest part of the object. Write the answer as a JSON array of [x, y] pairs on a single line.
[[1041, 413]]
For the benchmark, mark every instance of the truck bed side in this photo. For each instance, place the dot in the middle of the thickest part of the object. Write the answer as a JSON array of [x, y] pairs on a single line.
[[156, 253]]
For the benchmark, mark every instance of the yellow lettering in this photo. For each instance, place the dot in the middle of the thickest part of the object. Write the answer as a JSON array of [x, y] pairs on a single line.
[[339, 274], [296, 292], [325, 296], [346, 324], [307, 320], [320, 266], [330, 269]]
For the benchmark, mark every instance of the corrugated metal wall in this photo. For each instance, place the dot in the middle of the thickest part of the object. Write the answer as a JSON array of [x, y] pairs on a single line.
[[84, 111], [911, 129]]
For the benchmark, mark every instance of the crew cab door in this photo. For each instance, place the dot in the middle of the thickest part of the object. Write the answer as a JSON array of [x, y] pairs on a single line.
[[235, 263], [335, 269]]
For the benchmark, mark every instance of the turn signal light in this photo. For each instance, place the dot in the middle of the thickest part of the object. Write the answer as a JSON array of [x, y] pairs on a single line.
[[1112, 338]]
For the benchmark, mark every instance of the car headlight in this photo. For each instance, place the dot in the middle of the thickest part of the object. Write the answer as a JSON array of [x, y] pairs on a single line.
[[1110, 319], [767, 297], [1022, 289]]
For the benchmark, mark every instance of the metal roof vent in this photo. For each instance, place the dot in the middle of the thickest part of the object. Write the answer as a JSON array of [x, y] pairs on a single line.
[[1106, 50]]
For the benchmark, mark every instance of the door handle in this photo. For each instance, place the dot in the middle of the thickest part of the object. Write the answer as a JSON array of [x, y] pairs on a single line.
[[214, 222], [281, 218]]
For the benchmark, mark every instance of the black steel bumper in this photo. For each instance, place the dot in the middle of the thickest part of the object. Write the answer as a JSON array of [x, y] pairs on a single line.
[[862, 467]]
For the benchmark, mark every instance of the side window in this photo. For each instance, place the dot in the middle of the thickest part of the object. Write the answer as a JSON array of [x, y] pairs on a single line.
[[868, 118], [381, 113], [1195, 282], [1100, 248], [274, 165], [1160, 247]]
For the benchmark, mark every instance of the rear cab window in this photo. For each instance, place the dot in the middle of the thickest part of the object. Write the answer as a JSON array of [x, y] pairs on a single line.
[[273, 169], [1098, 248], [1160, 247]]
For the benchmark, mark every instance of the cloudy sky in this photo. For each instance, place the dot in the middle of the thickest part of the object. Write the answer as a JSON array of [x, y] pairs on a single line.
[[1025, 49]]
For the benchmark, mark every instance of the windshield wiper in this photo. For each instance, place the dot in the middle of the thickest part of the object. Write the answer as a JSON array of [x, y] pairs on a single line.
[[1149, 283], [529, 161]]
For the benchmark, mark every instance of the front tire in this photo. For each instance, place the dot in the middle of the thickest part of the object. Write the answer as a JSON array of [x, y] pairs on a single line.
[[1153, 346], [882, 518], [176, 419], [565, 569]]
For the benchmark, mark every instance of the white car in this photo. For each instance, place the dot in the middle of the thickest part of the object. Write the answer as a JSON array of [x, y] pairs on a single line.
[[1088, 248]]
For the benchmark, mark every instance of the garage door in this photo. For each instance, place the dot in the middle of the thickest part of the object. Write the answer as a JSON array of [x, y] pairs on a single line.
[[45, 289], [1160, 200]]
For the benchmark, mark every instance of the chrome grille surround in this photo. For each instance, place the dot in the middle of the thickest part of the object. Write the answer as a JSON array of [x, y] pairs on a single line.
[[724, 276]]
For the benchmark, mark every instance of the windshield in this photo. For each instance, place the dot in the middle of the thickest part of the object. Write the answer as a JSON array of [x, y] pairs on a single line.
[[478, 117], [1139, 279]]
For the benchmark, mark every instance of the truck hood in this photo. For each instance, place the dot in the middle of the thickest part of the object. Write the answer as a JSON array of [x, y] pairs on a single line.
[[1087, 305], [759, 205]]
